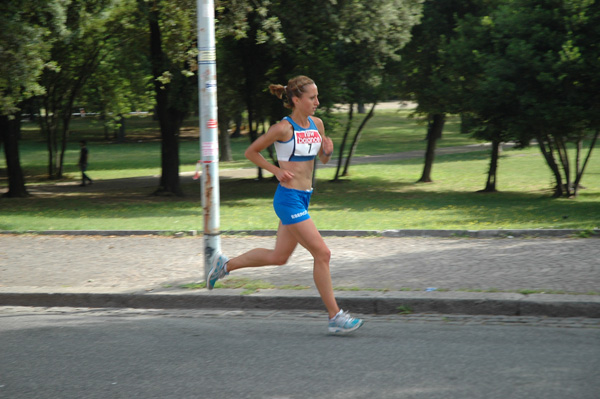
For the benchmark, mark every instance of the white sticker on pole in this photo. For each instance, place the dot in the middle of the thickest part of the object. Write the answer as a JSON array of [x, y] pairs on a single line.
[[210, 149]]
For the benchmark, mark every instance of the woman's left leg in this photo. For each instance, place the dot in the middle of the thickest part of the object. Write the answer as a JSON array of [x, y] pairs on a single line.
[[307, 235]]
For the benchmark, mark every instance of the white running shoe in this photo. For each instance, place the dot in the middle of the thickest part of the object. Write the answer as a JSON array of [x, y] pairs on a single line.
[[343, 323], [217, 270]]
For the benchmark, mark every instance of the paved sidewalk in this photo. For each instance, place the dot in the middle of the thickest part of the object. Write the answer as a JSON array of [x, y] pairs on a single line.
[[372, 274]]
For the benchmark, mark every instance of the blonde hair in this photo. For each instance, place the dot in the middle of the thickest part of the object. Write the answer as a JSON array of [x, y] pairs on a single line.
[[294, 88]]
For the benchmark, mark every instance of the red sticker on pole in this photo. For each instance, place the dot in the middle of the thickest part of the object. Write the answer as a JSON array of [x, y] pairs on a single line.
[[211, 124]]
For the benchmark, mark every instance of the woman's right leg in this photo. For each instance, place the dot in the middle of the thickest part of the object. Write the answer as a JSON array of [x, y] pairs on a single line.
[[284, 247]]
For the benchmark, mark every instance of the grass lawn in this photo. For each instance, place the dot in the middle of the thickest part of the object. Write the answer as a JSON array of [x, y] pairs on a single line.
[[385, 196], [375, 196], [388, 131]]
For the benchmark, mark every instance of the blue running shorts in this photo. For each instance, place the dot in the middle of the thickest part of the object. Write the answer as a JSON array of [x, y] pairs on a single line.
[[291, 206]]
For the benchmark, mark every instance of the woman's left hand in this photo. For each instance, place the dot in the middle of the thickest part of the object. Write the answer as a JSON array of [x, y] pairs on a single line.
[[327, 145]]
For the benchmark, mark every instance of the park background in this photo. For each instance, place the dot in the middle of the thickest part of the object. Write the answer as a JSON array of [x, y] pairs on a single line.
[[516, 80]]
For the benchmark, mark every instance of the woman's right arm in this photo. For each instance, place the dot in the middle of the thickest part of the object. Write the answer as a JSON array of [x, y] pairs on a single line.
[[275, 132]]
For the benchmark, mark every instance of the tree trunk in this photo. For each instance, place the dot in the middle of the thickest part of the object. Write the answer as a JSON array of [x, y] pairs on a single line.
[[356, 138], [237, 120], [343, 144], [490, 185], [169, 179], [546, 148], [253, 134], [434, 132], [563, 155], [48, 125], [224, 139], [587, 158], [63, 144], [121, 129], [579, 146], [105, 124], [168, 117], [9, 132], [52, 154]]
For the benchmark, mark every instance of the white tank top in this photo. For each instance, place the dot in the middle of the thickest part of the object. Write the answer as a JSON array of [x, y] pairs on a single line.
[[303, 146]]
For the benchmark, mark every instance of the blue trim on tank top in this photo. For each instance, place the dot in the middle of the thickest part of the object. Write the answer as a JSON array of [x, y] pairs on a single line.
[[300, 158]]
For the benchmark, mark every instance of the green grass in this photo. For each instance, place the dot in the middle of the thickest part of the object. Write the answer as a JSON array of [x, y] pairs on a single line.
[[377, 196]]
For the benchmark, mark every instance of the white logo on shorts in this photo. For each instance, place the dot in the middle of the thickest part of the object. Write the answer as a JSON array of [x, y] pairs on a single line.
[[297, 215]]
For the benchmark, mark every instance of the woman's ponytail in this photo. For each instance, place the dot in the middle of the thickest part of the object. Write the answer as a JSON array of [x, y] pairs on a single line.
[[294, 88]]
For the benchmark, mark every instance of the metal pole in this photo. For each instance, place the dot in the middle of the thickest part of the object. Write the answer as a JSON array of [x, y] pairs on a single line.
[[209, 140]]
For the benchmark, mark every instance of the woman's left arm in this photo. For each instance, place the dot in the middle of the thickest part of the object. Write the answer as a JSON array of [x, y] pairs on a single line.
[[327, 144]]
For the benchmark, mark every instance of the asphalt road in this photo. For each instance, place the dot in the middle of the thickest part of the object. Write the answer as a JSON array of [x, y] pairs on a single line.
[[81, 353]]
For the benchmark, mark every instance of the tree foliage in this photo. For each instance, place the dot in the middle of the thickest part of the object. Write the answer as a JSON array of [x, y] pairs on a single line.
[[25, 48], [122, 82], [25, 43], [528, 74], [91, 26]]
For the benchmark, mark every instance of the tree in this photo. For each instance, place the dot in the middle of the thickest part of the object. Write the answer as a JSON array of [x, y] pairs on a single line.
[[24, 53], [489, 127], [426, 78], [564, 103], [370, 35], [172, 38], [91, 27], [481, 96], [538, 79]]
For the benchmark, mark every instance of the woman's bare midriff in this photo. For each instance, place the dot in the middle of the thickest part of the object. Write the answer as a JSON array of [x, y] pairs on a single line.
[[302, 171]]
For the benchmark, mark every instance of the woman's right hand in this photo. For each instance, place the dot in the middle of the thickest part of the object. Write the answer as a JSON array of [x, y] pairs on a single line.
[[284, 175]]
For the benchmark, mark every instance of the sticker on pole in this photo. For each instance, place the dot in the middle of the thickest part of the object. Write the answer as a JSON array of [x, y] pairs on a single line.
[[211, 86], [212, 124], [207, 55], [210, 149]]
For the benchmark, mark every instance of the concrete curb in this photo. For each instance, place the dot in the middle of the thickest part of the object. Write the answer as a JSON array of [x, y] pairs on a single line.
[[506, 304], [553, 233]]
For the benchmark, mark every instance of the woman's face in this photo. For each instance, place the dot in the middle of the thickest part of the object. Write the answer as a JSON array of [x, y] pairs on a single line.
[[309, 102]]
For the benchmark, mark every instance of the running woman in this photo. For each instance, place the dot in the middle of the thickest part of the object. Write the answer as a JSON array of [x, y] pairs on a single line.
[[298, 139]]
